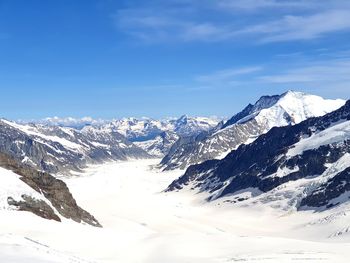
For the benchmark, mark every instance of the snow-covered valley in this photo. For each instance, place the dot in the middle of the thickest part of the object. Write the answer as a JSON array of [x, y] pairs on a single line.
[[141, 223]]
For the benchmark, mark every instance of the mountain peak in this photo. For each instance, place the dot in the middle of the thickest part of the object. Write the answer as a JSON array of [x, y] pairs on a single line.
[[183, 117], [293, 93]]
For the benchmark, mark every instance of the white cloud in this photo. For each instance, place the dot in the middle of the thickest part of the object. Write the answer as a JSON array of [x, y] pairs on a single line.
[[258, 4], [324, 75], [303, 27], [155, 26], [282, 5], [212, 23]]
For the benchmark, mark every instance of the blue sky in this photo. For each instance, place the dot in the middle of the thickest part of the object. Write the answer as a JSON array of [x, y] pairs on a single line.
[[110, 59]]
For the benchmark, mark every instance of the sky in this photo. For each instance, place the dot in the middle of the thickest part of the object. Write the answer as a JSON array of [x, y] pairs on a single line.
[[111, 59]]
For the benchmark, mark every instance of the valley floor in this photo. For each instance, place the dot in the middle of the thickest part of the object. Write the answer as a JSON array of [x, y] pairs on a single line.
[[143, 224]]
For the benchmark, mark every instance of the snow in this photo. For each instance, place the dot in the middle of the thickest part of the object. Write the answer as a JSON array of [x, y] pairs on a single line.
[[30, 130], [15, 249], [143, 224], [299, 106], [281, 172], [287, 109], [337, 133], [12, 186], [147, 128], [97, 144]]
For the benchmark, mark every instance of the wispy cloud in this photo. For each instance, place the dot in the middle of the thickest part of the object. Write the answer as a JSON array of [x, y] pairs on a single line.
[[318, 73], [222, 20], [154, 26], [301, 27], [323, 75], [253, 5]]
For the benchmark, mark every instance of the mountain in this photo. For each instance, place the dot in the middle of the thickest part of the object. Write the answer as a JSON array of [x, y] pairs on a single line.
[[160, 145], [306, 166], [57, 149], [147, 129], [157, 136], [269, 111], [26, 189], [153, 136]]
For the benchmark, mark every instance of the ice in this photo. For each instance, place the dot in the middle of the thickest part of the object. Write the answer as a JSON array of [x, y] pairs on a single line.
[[144, 224]]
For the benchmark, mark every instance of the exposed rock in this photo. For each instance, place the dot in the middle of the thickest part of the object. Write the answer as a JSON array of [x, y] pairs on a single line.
[[329, 191], [37, 207], [53, 189]]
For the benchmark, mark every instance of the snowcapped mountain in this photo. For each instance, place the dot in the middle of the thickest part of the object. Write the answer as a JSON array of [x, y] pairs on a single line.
[[305, 166], [153, 136], [160, 145], [140, 129], [269, 111], [147, 129], [61, 149], [157, 136]]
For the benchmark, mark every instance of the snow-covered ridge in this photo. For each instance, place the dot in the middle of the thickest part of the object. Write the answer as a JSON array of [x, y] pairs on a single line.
[[152, 135], [289, 108], [294, 107], [60, 149], [135, 125], [337, 133]]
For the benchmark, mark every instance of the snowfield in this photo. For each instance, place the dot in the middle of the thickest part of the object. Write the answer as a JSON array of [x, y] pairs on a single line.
[[143, 224]]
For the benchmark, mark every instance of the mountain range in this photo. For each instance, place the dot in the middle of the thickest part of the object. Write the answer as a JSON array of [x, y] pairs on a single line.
[[303, 166], [290, 150], [60, 149]]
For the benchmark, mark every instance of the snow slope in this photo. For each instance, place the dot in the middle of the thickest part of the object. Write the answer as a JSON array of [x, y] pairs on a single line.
[[143, 224], [337, 133], [12, 186]]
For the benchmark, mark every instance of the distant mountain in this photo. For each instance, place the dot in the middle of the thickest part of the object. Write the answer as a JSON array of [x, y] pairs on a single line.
[[154, 136], [145, 129], [157, 136], [57, 149], [269, 111], [160, 145], [306, 166]]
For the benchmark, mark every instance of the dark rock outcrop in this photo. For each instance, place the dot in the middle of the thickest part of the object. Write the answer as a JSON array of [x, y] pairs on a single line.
[[35, 206], [331, 190], [53, 189]]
